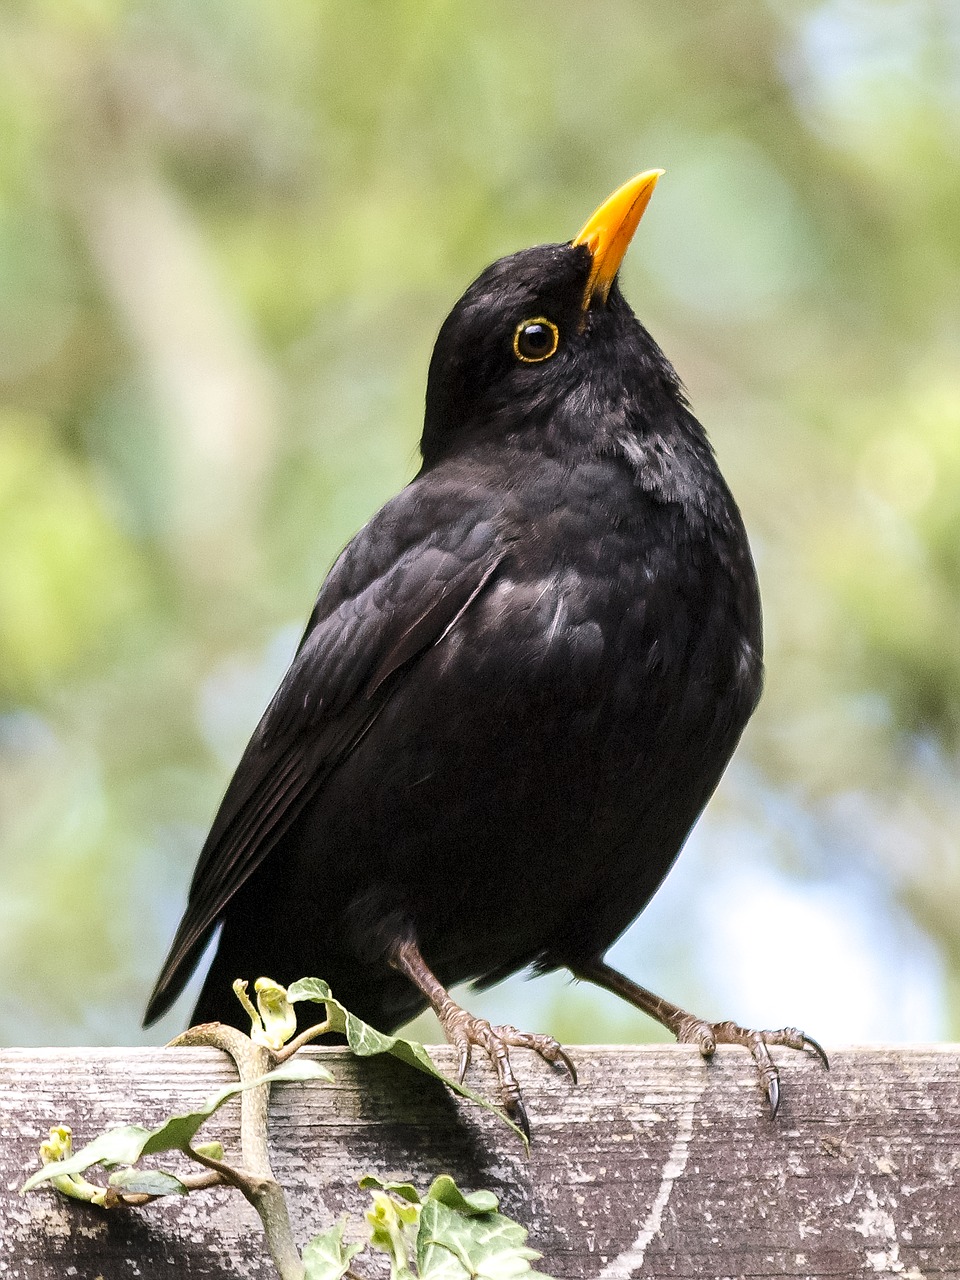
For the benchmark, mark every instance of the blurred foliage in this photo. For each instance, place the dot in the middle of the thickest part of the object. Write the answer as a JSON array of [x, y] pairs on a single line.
[[228, 234]]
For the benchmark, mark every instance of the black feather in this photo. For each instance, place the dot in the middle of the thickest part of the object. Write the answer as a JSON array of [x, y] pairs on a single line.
[[519, 686]]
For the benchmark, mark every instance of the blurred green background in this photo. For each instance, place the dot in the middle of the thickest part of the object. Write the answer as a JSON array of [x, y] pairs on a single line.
[[229, 231]]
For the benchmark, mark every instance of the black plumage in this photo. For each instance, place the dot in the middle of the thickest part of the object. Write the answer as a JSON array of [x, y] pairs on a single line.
[[520, 684]]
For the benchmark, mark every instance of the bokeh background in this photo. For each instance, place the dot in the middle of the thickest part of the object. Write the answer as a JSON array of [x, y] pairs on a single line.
[[229, 231]]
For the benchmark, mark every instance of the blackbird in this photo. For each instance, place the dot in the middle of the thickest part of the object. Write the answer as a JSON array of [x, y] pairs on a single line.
[[519, 686]]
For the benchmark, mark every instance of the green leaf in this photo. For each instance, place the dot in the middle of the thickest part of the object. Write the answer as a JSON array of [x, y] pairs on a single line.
[[326, 1257], [468, 1203], [314, 989], [177, 1133], [278, 1014], [393, 1231], [459, 1235], [489, 1246], [148, 1182], [127, 1144], [117, 1146], [58, 1146], [295, 1071], [366, 1042], [212, 1149], [406, 1190], [274, 1020]]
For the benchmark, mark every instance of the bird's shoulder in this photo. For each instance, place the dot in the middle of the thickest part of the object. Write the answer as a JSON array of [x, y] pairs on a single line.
[[399, 584]]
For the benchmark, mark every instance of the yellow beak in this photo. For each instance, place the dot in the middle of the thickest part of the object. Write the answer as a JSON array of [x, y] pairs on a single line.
[[609, 231]]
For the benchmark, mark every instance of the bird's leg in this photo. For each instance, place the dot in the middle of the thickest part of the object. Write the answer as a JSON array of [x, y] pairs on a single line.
[[690, 1029], [464, 1031]]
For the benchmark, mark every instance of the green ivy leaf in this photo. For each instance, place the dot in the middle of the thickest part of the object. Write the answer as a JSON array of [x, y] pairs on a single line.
[[469, 1203], [117, 1146], [212, 1149], [148, 1182], [366, 1042], [177, 1133], [459, 1235], [393, 1230], [326, 1257], [488, 1246], [128, 1143], [406, 1190]]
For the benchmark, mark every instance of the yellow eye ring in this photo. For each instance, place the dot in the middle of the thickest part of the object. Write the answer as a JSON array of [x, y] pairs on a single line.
[[535, 340]]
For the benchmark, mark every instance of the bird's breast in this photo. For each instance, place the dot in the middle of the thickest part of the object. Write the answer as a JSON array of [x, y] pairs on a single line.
[[627, 594]]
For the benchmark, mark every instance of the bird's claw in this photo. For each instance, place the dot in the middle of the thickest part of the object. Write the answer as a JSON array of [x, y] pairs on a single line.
[[465, 1031], [463, 1059], [817, 1048], [773, 1095], [564, 1059], [707, 1035], [518, 1114], [546, 1047]]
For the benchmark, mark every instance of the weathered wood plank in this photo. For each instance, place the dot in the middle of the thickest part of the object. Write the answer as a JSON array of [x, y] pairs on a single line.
[[655, 1165]]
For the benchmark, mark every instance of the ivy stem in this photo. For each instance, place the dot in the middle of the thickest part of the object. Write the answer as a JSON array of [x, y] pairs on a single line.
[[311, 1033], [136, 1199], [254, 1179]]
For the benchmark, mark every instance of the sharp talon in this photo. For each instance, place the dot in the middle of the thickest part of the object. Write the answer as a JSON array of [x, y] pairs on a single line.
[[569, 1064], [462, 1063], [518, 1114], [818, 1049], [773, 1096]]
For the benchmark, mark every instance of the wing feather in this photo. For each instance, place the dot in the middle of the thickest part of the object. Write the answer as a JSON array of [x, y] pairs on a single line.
[[361, 637]]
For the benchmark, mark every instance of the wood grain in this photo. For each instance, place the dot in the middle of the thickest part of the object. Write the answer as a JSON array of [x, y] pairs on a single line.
[[656, 1164]]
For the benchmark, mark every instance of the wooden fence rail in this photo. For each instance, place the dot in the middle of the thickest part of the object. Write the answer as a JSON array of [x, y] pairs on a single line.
[[656, 1164]]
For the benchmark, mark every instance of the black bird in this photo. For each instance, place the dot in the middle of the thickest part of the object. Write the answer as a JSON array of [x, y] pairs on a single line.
[[520, 684]]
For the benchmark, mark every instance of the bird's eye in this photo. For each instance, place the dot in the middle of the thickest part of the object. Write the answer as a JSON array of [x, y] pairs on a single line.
[[535, 340]]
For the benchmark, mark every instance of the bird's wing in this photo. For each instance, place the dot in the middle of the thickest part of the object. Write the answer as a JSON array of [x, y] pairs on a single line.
[[387, 599]]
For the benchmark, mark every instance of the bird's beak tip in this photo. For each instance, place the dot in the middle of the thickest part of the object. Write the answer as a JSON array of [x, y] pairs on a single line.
[[609, 230]]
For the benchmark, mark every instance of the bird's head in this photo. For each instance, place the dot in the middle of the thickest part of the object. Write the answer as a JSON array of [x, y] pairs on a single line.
[[543, 344]]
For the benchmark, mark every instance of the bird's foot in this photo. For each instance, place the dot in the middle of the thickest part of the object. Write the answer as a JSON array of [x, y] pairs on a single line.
[[466, 1032], [690, 1029], [707, 1035]]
